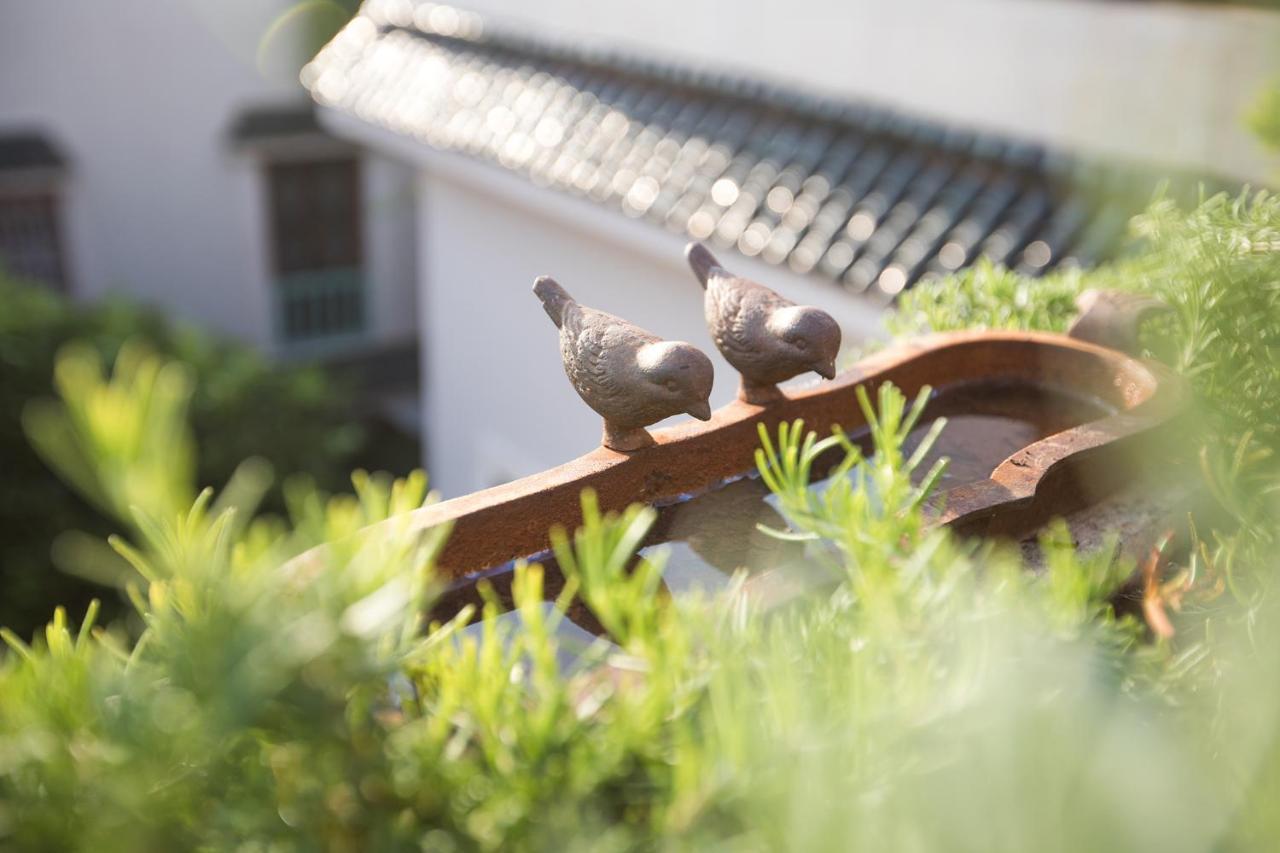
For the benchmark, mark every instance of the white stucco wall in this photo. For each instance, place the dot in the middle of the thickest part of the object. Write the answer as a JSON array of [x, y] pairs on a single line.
[[390, 246], [159, 203], [1153, 80]]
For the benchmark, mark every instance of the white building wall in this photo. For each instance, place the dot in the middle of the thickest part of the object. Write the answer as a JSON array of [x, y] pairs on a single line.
[[1167, 81], [159, 203], [390, 241]]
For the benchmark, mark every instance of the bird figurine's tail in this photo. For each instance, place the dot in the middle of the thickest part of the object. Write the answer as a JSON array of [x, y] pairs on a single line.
[[702, 261], [554, 298]]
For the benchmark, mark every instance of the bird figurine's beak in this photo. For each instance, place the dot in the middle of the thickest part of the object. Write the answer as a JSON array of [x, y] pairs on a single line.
[[826, 370], [701, 411]]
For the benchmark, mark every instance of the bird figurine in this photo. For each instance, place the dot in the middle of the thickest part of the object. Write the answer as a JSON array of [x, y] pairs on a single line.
[[631, 377], [767, 338], [1112, 319]]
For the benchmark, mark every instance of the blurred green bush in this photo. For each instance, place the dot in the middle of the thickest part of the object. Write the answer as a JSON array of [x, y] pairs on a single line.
[[300, 419], [940, 697]]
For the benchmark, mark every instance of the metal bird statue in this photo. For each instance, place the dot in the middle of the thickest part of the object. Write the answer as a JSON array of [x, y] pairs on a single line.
[[767, 338], [631, 377], [1112, 319]]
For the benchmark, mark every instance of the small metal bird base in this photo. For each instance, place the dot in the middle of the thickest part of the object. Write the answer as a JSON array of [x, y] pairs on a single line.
[[630, 377], [759, 394], [625, 439]]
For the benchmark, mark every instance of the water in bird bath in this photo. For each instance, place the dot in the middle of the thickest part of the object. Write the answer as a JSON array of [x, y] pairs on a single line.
[[987, 422], [709, 536]]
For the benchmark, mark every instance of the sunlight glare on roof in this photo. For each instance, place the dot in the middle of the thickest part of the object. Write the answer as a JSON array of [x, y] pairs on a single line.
[[1037, 255], [332, 85], [803, 259], [753, 239], [861, 226], [444, 20], [398, 12], [701, 224], [892, 280], [643, 193], [500, 120], [840, 255], [951, 256], [358, 33], [724, 192], [615, 123], [779, 199], [549, 132]]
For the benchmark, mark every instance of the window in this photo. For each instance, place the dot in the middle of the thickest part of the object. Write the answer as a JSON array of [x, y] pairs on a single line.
[[29, 237], [315, 229], [30, 248]]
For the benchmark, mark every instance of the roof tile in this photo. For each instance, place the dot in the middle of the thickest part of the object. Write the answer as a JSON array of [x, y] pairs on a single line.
[[869, 198]]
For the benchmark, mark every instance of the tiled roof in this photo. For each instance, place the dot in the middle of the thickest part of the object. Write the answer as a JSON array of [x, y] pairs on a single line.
[[862, 195]]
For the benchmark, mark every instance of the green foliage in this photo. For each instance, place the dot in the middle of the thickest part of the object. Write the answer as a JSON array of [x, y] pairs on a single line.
[[136, 423], [612, 589], [936, 696], [850, 513], [1216, 266], [1264, 116], [939, 697], [991, 297], [296, 419], [1219, 269]]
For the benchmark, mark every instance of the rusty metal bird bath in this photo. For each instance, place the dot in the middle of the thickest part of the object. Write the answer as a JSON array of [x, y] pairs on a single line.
[[1075, 411], [1038, 426]]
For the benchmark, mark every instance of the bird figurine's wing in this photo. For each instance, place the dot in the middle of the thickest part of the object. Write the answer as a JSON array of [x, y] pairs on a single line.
[[588, 349], [738, 310], [584, 348], [596, 342]]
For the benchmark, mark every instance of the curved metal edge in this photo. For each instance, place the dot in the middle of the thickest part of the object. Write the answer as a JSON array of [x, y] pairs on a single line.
[[1098, 450]]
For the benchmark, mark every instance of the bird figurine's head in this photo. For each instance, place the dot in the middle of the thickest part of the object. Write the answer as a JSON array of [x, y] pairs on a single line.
[[681, 373], [811, 336]]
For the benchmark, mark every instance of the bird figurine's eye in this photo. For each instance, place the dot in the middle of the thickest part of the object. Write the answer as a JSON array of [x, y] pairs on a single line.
[[672, 386], [802, 344]]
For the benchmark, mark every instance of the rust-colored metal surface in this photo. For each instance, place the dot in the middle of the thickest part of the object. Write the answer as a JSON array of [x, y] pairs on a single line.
[[1113, 319], [1051, 476]]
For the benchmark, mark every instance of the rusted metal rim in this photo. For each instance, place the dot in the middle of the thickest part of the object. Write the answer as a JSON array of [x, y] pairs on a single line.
[[497, 525]]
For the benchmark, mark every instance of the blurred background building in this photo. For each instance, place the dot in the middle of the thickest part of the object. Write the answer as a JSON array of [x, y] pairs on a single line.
[[166, 151], [839, 151]]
